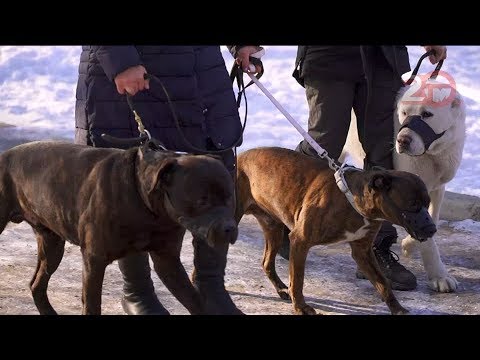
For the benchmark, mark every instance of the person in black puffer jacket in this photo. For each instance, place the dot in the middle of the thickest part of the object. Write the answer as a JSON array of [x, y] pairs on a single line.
[[202, 94]]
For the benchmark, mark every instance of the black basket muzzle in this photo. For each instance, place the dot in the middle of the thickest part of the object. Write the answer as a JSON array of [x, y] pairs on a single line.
[[419, 224], [216, 225]]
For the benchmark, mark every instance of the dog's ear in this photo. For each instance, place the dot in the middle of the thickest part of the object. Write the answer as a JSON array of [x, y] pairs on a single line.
[[164, 174], [143, 150], [380, 182], [456, 102], [147, 147]]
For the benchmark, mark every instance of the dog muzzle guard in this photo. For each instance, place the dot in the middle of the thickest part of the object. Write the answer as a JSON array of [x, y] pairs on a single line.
[[419, 224], [215, 224], [416, 124]]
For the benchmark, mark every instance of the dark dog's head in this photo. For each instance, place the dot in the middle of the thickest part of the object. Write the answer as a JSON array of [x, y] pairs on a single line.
[[401, 198], [195, 191]]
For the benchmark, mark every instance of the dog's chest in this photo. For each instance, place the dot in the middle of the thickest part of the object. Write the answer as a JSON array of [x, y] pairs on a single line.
[[357, 235], [435, 171]]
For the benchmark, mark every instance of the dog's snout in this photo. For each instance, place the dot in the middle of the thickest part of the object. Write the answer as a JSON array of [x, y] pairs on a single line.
[[419, 224], [404, 141], [230, 231]]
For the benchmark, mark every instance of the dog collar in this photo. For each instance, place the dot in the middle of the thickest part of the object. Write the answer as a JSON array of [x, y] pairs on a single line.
[[343, 186]]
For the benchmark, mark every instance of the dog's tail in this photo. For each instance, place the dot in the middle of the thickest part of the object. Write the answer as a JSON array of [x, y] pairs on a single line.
[[5, 209], [353, 152]]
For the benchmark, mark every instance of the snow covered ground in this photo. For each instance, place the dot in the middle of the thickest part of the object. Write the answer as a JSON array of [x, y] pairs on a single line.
[[330, 284]]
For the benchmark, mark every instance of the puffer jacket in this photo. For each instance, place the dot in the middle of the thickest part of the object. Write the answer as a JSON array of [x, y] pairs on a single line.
[[198, 85]]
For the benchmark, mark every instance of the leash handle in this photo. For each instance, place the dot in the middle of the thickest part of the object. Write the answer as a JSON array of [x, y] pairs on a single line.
[[415, 71], [237, 73], [321, 151], [437, 70]]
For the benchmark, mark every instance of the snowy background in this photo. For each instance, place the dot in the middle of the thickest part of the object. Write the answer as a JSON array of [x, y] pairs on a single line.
[[37, 95]]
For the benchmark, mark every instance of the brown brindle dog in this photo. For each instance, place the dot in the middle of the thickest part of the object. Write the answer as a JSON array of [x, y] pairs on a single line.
[[111, 202], [283, 187]]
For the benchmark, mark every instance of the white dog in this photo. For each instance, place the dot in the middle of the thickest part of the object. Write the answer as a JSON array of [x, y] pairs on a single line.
[[436, 163], [434, 155]]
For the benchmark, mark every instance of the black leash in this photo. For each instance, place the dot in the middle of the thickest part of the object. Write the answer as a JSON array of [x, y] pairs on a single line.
[[415, 71], [140, 140], [177, 122], [237, 74], [416, 123]]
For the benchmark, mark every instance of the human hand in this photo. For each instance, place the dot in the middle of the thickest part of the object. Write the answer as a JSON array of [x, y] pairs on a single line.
[[131, 80], [243, 60], [440, 53]]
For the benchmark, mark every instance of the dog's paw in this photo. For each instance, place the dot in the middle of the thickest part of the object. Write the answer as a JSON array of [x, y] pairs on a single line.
[[409, 245], [400, 311], [443, 284], [305, 310], [284, 295]]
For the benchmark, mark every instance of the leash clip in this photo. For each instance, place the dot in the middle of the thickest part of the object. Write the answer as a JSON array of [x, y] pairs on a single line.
[[342, 183]]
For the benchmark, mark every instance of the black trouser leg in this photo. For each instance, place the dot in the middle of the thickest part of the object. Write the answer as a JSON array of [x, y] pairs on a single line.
[[209, 264], [139, 296], [386, 237], [330, 106], [208, 278], [375, 124]]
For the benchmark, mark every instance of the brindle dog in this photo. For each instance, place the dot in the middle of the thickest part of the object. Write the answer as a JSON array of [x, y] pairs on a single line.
[[111, 202], [283, 187]]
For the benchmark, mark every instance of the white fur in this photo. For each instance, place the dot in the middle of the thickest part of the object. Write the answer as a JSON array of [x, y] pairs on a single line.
[[357, 235], [437, 166]]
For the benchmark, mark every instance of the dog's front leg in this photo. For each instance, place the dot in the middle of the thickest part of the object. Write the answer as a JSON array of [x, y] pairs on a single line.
[[363, 255], [50, 253], [93, 274], [170, 270], [438, 277], [273, 233], [298, 256]]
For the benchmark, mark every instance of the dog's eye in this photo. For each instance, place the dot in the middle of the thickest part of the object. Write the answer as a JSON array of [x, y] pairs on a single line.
[[404, 113], [415, 203], [426, 114]]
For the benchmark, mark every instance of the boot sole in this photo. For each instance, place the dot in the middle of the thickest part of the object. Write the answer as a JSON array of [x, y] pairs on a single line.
[[131, 309]]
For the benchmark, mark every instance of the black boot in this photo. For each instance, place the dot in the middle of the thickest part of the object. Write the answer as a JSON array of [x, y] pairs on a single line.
[[139, 296], [284, 250], [208, 278], [400, 278]]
